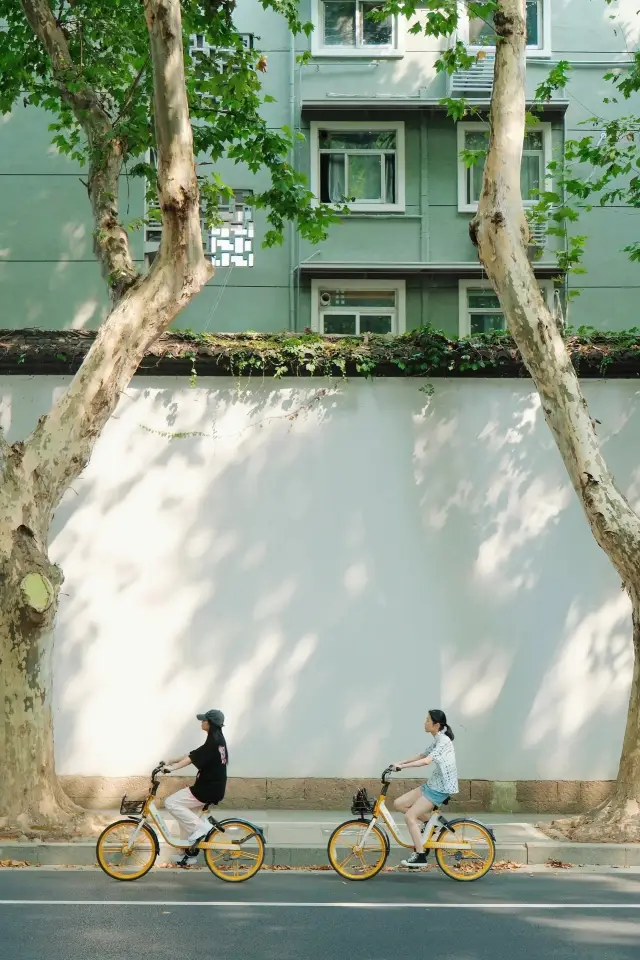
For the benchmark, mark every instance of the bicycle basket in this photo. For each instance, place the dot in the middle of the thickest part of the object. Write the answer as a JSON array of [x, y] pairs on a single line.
[[362, 805], [131, 806]]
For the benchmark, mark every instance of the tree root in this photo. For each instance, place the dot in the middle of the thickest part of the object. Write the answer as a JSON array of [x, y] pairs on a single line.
[[55, 817], [86, 825], [615, 821]]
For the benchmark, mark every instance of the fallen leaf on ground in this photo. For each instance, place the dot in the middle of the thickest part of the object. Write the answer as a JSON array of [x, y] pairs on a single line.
[[504, 866], [14, 863], [559, 865]]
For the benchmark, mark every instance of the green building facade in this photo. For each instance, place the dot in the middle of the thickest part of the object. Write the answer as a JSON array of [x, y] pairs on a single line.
[[369, 107]]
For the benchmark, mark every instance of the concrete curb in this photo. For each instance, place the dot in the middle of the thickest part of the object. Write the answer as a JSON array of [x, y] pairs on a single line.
[[82, 854]]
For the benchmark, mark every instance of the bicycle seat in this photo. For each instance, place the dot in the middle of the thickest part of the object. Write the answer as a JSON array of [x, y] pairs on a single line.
[[443, 804], [212, 803]]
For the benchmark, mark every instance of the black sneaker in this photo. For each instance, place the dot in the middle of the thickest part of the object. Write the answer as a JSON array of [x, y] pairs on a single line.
[[415, 861], [185, 861]]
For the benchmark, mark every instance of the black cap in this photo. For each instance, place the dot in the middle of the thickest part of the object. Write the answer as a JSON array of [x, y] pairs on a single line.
[[216, 717]]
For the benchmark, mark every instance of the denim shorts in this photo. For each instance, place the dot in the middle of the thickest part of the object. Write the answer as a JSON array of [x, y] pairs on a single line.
[[437, 797]]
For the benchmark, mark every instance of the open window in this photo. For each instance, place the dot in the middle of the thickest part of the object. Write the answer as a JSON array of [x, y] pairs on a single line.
[[478, 32], [354, 28], [359, 165]]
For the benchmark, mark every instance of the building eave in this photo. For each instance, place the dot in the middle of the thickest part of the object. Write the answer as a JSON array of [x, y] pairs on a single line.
[[332, 103], [327, 268]]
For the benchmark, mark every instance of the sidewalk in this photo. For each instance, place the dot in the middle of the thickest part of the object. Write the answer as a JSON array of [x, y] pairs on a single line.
[[298, 838]]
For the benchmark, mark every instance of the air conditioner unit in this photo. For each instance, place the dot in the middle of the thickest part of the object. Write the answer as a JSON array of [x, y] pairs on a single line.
[[537, 230], [476, 79], [153, 232]]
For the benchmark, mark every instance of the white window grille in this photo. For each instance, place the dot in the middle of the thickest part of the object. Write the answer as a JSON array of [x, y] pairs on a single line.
[[231, 242]]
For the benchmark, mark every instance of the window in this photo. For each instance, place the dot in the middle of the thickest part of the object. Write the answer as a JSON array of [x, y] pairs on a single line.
[[474, 137], [478, 32], [480, 310], [360, 165], [354, 307], [351, 28]]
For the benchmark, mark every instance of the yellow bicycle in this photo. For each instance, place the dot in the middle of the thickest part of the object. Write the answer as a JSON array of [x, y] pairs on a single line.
[[358, 849], [128, 848]]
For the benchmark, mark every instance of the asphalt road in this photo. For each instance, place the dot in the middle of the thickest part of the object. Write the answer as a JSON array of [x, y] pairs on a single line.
[[83, 915]]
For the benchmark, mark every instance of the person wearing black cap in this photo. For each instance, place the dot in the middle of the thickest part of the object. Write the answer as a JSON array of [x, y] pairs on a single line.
[[211, 761]]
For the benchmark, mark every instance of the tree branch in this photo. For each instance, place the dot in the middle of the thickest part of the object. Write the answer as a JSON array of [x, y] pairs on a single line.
[[131, 91], [500, 232], [110, 240], [179, 196], [60, 446]]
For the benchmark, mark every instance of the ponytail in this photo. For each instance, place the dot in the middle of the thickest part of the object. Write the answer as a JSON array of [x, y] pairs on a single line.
[[439, 717]]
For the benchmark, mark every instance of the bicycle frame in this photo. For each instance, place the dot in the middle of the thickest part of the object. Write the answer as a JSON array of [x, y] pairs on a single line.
[[151, 814], [382, 812]]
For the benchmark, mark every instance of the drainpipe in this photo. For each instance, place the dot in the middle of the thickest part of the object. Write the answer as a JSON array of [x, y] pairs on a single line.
[[292, 161], [566, 281], [425, 245]]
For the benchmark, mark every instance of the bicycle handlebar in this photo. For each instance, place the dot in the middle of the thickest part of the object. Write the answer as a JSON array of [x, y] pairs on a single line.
[[386, 772], [157, 770]]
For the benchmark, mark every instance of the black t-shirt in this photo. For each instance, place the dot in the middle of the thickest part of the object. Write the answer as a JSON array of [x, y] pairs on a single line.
[[211, 759]]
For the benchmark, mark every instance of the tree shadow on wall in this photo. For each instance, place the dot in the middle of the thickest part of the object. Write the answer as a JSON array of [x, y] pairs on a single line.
[[537, 650], [231, 562]]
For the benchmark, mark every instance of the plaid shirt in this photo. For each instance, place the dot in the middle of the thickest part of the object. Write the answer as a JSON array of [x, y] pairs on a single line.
[[445, 775]]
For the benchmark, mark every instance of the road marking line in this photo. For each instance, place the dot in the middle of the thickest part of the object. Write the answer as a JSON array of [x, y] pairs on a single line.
[[324, 905]]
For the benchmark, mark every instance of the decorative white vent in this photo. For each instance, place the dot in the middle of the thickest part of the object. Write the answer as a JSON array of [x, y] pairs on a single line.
[[198, 44], [231, 243], [478, 79]]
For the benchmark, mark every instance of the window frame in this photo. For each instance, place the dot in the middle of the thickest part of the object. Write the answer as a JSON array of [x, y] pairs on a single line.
[[464, 323], [352, 283], [355, 126], [463, 127], [338, 52], [542, 52]]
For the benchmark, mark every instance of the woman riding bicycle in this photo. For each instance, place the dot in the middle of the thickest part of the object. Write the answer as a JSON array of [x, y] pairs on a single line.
[[211, 760], [418, 804]]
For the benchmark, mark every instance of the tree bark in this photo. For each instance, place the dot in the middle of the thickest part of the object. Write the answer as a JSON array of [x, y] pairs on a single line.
[[29, 583], [500, 233], [35, 474]]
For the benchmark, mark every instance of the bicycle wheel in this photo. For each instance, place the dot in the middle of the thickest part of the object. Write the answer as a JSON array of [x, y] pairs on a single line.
[[466, 864], [357, 864], [118, 858], [239, 864]]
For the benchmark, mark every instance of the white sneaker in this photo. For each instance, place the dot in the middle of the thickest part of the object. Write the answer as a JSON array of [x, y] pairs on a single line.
[[197, 835]]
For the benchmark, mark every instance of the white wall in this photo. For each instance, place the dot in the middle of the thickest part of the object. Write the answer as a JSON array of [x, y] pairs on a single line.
[[325, 563]]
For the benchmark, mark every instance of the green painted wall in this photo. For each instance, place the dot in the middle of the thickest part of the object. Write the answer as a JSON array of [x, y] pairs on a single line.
[[48, 276]]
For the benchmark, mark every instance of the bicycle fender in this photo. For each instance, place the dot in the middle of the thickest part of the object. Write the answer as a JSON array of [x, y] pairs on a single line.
[[247, 823], [478, 823]]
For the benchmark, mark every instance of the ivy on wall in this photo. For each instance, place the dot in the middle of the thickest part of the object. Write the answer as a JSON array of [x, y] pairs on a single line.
[[424, 352]]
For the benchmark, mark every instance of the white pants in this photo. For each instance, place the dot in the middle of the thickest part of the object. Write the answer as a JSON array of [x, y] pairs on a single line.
[[184, 807]]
